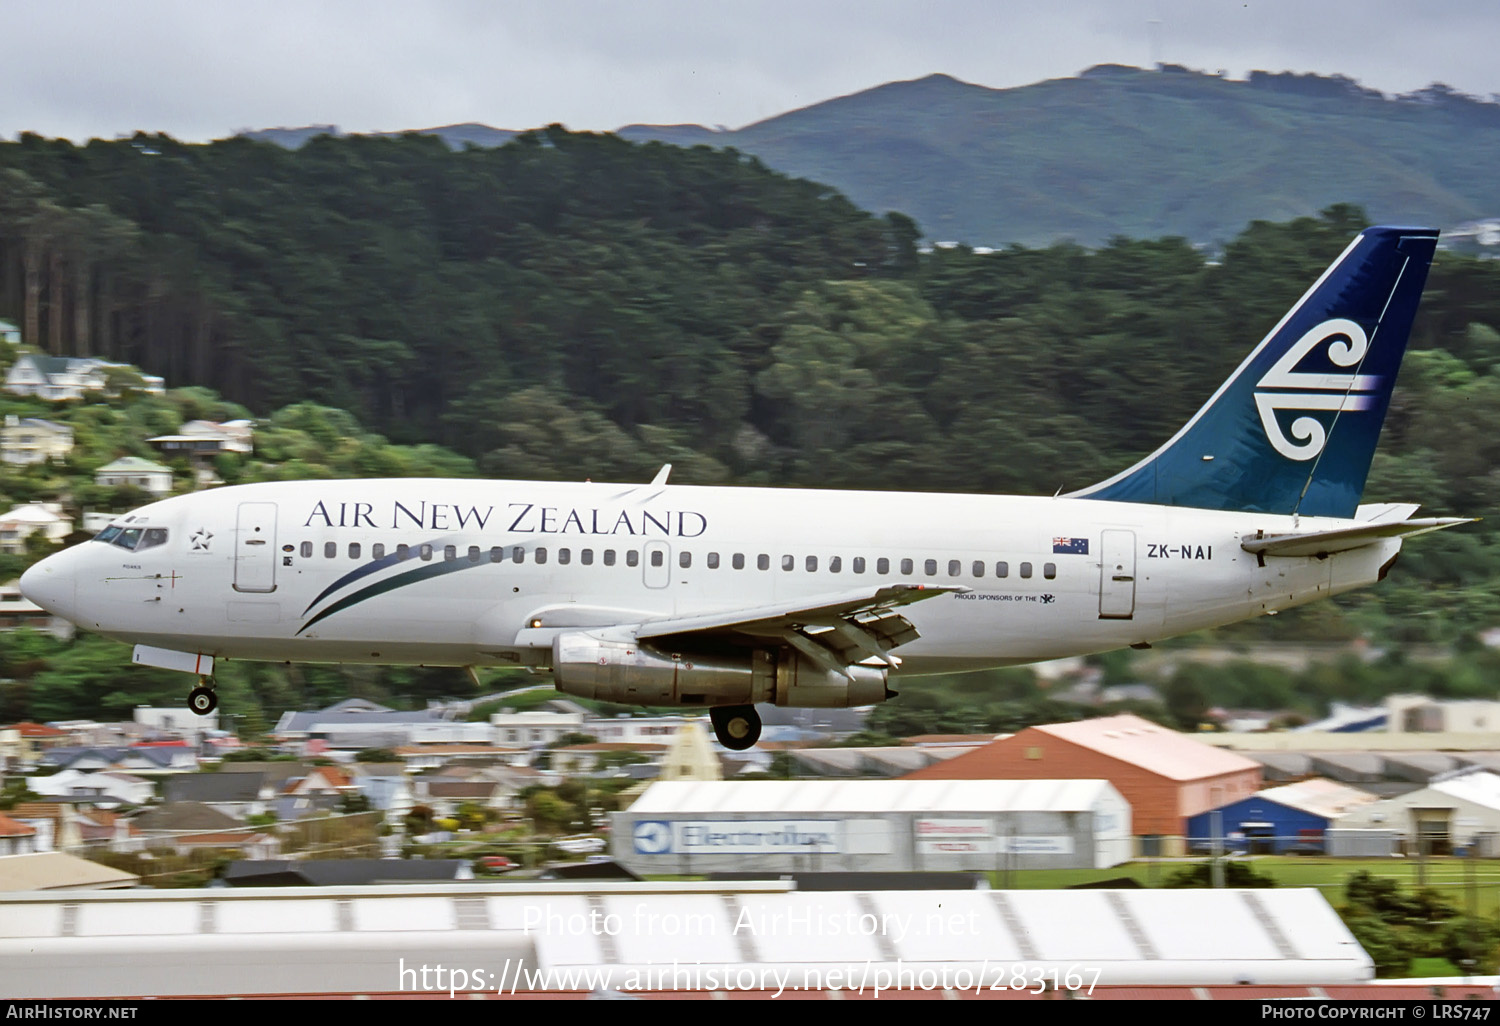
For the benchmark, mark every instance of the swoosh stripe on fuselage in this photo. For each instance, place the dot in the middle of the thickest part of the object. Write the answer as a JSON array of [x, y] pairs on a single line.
[[421, 573]]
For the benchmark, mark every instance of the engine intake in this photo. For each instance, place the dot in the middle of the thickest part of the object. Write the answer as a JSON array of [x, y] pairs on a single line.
[[629, 672]]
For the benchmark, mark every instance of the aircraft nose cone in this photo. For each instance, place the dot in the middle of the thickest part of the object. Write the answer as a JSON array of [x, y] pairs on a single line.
[[52, 586]]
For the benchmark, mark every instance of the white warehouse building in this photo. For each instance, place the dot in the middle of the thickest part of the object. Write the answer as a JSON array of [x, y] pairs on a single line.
[[696, 827]]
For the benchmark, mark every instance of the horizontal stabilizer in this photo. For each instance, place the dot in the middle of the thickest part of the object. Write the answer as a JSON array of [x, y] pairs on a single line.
[[1323, 543]]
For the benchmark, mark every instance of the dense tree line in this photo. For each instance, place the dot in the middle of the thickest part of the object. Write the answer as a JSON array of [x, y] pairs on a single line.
[[572, 305]]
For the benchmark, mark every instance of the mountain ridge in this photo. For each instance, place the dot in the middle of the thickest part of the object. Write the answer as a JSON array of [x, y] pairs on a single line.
[[1114, 150]]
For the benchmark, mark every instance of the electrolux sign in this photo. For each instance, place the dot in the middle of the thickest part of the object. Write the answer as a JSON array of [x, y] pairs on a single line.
[[743, 837]]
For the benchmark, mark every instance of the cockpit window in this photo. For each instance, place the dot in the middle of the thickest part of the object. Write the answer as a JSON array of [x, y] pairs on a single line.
[[109, 534], [128, 538], [153, 537]]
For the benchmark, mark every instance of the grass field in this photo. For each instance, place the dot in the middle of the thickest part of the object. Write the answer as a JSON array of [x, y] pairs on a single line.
[[1450, 876]]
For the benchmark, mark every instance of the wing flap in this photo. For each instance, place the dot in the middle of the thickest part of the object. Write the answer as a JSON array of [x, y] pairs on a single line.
[[834, 630]]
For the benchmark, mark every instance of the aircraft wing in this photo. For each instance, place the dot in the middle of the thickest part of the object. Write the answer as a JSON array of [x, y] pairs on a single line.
[[835, 631], [1323, 543]]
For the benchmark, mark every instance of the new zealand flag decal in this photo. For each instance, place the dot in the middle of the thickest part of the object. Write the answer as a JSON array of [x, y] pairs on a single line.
[[1070, 546]]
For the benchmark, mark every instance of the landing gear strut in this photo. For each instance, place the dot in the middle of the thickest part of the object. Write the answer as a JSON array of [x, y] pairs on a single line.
[[736, 726], [202, 699]]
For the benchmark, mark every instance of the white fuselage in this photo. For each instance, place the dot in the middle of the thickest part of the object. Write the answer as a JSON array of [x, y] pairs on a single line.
[[290, 571]]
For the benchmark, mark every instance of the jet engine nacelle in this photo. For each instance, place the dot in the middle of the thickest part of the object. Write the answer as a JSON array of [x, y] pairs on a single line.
[[611, 670]]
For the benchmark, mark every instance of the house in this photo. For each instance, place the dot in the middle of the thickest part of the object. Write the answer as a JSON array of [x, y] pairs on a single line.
[[588, 757], [104, 787], [16, 838], [1166, 777], [1449, 814], [20, 523], [134, 472], [205, 438], [535, 726], [54, 377], [56, 824], [28, 440], [58, 378], [235, 794], [25, 744], [172, 721], [9, 333], [625, 728], [690, 756]]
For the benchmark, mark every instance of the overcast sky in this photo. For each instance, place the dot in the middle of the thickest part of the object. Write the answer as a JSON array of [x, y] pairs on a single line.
[[204, 69]]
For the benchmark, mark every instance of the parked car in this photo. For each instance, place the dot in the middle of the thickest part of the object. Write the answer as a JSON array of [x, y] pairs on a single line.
[[580, 845], [495, 863]]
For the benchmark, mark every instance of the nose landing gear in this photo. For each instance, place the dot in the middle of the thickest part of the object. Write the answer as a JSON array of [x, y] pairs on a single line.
[[202, 699], [737, 727]]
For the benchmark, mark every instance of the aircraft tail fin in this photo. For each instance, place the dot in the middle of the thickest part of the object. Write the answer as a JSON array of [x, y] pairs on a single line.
[[1294, 428]]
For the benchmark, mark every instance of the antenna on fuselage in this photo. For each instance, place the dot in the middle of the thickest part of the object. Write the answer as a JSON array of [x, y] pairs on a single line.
[[661, 475]]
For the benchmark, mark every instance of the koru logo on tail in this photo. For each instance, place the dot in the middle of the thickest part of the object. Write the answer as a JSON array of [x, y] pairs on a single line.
[[1347, 346]]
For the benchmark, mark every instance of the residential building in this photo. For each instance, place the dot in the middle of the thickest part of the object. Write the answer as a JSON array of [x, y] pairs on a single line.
[[135, 472], [28, 440], [1166, 777], [625, 728], [16, 838], [235, 794], [690, 756], [535, 726], [70, 377], [21, 522], [205, 438], [103, 787], [1408, 714]]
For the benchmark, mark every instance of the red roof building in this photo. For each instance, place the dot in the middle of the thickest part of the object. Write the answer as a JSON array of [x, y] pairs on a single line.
[[1166, 776]]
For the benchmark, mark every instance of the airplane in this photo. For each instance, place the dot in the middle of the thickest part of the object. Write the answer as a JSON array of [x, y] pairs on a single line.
[[671, 595]]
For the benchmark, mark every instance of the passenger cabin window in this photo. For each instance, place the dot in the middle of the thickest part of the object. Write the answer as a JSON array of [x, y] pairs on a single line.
[[812, 564], [1025, 569], [835, 564], [788, 562], [857, 564], [425, 551], [1002, 569], [684, 559], [450, 552], [377, 551], [738, 562], [930, 567], [762, 562], [586, 557], [632, 558], [539, 554], [354, 550], [473, 553], [955, 567], [658, 558], [1049, 570], [517, 554], [330, 550], [906, 566], [565, 555], [609, 557], [497, 554], [307, 550], [882, 565], [978, 568], [713, 561]]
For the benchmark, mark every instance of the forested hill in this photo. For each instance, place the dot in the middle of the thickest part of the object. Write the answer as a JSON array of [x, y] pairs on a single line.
[[1119, 150], [571, 306]]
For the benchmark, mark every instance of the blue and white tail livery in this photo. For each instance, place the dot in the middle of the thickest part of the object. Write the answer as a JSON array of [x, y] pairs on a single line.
[[1294, 428]]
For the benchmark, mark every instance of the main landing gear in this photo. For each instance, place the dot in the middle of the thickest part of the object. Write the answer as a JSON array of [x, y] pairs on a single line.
[[202, 699], [736, 726]]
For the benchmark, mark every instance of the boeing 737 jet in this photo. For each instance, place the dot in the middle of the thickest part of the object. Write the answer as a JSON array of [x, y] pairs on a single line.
[[663, 594]]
